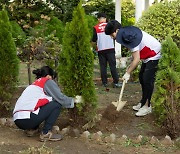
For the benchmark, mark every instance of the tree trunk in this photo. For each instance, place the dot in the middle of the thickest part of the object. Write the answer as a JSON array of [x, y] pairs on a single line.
[[29, 72]]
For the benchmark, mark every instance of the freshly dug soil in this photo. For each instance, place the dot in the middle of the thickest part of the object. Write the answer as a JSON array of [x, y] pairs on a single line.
[[120, 123], [111, 113]]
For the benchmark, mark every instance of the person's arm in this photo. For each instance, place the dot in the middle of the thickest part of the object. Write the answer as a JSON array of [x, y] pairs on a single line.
[[134, 63], [132, 66], [52, 89], [94, 38]]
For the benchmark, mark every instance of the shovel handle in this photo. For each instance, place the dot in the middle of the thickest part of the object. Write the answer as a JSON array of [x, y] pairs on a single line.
[[122, 89]]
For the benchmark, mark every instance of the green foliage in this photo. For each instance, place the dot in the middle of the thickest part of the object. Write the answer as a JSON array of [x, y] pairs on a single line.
[[44, 42], [44, 49], [127, 19], [91, 20], [9, 64], [51, 26], [25, 13], [68, 7], [35, 13], [18, 34], [56, 26], [106, 6], [76, 63], [51, 51], [166, 99], [38, 150], [162, 19], [128, 13]]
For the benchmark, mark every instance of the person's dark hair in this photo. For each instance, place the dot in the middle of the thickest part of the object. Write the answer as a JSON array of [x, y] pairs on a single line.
[[99, 15], [44, 71], [112, 26]]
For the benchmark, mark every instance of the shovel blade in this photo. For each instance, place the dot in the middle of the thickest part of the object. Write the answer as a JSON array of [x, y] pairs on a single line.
[[115, 103], [120, 105]]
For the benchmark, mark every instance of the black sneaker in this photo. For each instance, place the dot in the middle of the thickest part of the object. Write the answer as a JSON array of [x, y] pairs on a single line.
[[117, 85]]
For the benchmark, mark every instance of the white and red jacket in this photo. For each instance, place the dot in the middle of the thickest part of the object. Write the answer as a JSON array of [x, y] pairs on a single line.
[[104, 42], [149, 48], [31, 99]]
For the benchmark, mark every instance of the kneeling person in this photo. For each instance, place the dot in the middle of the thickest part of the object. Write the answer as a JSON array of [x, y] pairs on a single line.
[[41, 102]]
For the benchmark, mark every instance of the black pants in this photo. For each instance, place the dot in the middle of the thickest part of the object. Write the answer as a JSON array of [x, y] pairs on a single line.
[[147, 78], [104, 58], [47, 114]]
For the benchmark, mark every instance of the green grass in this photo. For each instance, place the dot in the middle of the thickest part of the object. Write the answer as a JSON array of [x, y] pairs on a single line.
[[143, 126], [23, 72]]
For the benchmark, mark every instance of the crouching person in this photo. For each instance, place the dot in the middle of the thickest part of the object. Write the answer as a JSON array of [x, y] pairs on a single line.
[[42, 102]]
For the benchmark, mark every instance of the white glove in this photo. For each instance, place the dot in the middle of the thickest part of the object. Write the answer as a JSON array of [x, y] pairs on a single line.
[[126, 77], [78, 99]]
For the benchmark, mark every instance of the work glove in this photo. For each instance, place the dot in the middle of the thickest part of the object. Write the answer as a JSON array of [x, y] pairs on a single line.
[[126, 77], [78, 99]]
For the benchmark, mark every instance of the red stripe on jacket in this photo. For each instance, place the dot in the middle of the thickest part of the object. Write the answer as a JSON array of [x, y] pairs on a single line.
[[147, 53], [41, 82]]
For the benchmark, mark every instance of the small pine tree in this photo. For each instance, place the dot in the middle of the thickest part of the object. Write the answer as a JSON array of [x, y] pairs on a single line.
[[9, 63], [167, 96], [76, 65]]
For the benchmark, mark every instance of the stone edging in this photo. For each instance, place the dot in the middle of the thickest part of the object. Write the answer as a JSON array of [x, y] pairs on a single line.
[[100, 137]]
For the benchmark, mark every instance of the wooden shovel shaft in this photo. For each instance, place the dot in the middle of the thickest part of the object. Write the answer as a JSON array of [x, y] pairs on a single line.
[[120, 103], [122, 89]]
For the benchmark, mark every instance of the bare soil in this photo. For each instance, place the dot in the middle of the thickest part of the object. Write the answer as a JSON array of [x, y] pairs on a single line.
[[13, 140]]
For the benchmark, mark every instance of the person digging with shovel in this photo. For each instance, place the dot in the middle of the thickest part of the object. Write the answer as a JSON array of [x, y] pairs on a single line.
[[144, 47]]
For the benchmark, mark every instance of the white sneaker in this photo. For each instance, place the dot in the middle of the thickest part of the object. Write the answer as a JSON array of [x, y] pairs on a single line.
[[137, 107], [144, 111]]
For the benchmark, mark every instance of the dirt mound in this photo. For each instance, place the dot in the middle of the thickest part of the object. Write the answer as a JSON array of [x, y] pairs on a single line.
[[111, 114]]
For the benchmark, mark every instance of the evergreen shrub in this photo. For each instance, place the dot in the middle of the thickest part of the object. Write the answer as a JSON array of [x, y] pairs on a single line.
[[162, 19], [9, 63], [166, 99], [76, 65]]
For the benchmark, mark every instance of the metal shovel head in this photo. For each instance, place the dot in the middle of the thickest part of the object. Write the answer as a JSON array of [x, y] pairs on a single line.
[[120, 105], [115, 103]]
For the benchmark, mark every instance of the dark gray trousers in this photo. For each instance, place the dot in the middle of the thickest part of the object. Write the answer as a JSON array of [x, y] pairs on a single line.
[[147, 78], [47, 114], [104, 58]]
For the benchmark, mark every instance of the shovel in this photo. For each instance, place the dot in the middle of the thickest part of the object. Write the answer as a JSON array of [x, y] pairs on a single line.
[[120, 104]]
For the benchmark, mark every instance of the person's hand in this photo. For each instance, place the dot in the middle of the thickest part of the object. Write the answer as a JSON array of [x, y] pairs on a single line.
[[78, 99], [126, 77]]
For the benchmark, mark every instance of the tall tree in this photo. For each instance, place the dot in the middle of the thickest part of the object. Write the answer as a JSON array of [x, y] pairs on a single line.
[[106, 6], [76, 65], [63, 9], [9, 63], [27, 12]]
